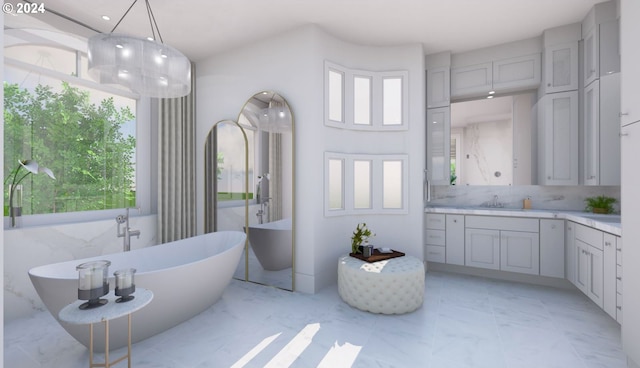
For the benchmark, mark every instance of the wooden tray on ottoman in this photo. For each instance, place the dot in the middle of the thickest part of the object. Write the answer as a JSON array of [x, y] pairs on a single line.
[[377, 256]]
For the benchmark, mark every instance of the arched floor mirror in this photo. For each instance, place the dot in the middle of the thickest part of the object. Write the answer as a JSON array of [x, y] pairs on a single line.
[[263, 137]]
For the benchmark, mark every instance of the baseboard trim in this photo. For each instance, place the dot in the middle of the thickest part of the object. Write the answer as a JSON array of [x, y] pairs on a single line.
[[503, 275]]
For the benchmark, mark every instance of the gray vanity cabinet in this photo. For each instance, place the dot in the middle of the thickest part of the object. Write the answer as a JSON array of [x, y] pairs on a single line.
[[570, 251], [455, 239], [589, 263], [499, 243], [552, 248], [520, 252], [609, 275], [444, 238], [482, 248], [435, 238], [594, 265]]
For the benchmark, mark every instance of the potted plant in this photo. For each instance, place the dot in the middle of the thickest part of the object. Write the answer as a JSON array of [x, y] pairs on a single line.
[[600, 204], [360, 235]]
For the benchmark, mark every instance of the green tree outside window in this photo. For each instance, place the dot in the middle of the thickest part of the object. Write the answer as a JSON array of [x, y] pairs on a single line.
[[81, 142]]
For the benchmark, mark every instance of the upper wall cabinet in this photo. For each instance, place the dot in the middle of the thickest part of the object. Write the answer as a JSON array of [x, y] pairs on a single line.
[[516, 73], [601, 51], [629, 31], [558, 139], [469, 81], [601, 131], [591, 59], [609, 47], [561, 67], [507, 75], [438, 87], [439, 145]]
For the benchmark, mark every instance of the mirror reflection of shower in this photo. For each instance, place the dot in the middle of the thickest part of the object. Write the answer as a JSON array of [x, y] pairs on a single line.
[[262, 198]]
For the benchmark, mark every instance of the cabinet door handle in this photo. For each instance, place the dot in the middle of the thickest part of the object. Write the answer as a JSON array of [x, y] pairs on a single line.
[[619, 278], [607, 244], [623, 114], [619, 307], [455, 220], [619, 249]]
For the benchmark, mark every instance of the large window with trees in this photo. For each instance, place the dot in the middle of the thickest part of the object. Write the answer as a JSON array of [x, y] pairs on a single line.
[[83, 132]]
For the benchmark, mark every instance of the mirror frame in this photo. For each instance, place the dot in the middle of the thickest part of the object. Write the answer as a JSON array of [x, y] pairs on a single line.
[[214, 200], [211, 198]]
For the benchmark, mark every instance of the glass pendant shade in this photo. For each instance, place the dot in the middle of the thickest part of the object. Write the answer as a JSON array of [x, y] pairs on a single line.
[[276, 118], [146, 67]]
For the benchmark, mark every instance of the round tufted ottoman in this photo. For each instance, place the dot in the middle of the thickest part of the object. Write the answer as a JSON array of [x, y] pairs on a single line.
[[392, 286]]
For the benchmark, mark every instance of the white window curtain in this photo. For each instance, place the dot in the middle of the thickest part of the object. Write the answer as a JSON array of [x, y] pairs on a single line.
[[275, 184], [176, 167]]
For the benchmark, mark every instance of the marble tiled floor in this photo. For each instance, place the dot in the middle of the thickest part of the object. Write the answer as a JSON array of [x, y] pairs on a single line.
[[464, 322]]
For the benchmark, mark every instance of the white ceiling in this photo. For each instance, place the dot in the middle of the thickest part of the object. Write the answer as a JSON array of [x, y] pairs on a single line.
[[201, 28]]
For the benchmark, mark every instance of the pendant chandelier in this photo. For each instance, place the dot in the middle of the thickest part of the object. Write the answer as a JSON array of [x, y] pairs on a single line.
[[144, 65]]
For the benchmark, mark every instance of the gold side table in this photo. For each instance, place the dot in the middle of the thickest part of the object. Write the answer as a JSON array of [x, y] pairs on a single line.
[[112, 310]]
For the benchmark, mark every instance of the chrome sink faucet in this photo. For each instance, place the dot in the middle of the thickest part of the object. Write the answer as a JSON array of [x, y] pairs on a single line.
[[496, 203], [127, 233]]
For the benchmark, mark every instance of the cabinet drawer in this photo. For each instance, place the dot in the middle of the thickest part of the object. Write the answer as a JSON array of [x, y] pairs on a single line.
[[435, 221], [590, 236], [502, 223], [619, 308], [619, 284], [435, 237], [619, 279], [619, 255], [435, 253]]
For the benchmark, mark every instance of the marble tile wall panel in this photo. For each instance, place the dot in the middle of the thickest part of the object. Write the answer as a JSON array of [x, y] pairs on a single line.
[[25, 248], [567, 198]]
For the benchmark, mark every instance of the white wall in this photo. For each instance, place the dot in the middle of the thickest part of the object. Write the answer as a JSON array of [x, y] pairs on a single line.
[[292, 64]]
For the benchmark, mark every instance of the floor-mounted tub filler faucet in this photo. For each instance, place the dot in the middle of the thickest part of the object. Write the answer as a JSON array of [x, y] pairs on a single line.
[[262, 197], [127, 233]]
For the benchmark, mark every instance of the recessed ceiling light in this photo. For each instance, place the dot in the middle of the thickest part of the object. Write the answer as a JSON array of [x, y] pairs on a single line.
[[119, 46], [492, 92], [150, 38], [490, 96], [106, 17]]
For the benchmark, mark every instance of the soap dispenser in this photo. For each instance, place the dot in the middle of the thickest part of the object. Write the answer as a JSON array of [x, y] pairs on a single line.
[[526, 203]]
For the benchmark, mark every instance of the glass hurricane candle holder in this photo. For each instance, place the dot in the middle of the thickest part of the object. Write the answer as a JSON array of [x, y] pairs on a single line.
[[93, 283], [125, 285]]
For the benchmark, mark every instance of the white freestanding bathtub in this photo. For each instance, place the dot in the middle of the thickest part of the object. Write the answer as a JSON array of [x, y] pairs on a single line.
[[185, 276], [272, 244]]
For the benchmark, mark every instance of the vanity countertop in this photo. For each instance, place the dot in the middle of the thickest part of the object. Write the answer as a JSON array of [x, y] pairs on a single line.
[[607, 223]]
